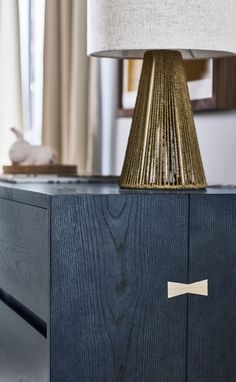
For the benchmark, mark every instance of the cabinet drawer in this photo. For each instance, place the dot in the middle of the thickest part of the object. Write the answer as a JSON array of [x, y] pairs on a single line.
[[24, 353], [24, 255]]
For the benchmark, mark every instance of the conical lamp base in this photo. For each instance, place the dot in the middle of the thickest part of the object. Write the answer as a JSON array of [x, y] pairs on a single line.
[[163, 151]]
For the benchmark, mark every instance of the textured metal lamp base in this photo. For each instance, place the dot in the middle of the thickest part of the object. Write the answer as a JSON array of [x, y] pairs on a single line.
[[163, 151]]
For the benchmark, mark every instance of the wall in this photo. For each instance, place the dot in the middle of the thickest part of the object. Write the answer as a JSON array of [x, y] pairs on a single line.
[[217, 139]]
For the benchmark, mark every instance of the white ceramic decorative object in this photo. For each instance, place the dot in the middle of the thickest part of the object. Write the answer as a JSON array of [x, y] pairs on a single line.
[[23, 153]]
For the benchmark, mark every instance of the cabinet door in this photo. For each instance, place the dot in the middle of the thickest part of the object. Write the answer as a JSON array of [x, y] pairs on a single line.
[[24, 255], [212, 320], [112, 257], [24, 353]]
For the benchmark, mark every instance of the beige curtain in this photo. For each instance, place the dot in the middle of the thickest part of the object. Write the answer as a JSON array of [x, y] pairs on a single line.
[[94, 133], [10, 75], [66, 82]]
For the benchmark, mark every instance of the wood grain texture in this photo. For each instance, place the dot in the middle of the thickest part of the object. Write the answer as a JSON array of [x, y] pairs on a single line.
[[24, 255], [24, 354], [225, 88], [112, 254], [51, 169], [26, 314], [23, 193], [41, 194], [212, 321], [111, 320]]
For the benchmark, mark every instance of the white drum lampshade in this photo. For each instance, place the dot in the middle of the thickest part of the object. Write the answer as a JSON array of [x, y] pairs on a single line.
[[128, 28], [163, 138]]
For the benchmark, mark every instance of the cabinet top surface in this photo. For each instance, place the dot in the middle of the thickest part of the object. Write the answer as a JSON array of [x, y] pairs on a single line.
[[40, 194], [101, 188]]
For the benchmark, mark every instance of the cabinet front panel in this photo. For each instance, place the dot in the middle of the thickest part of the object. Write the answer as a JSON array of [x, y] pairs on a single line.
[[212, 320], [24, 255], [111, 260], [24, 353]]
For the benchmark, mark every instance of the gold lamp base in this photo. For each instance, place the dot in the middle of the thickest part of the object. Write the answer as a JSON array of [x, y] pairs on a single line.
[[163, 151]]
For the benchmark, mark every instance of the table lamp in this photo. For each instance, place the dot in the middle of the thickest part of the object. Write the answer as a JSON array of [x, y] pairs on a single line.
[[162, 151]]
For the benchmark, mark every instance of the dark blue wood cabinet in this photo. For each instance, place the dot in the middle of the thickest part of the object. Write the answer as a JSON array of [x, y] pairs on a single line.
[[112, 258], [212, 321], [84, 273]]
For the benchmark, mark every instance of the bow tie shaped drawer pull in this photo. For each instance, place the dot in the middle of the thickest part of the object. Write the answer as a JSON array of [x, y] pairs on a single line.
[[199, 288]]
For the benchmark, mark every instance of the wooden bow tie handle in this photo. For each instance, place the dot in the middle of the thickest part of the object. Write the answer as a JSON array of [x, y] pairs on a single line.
[[199, 288]]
